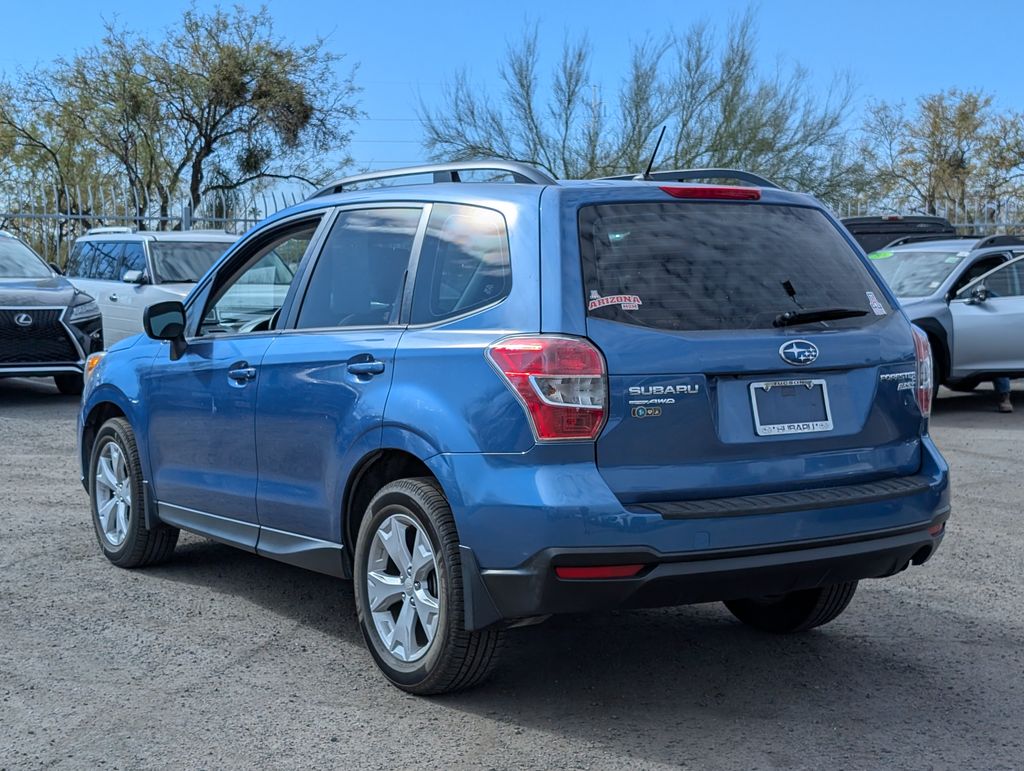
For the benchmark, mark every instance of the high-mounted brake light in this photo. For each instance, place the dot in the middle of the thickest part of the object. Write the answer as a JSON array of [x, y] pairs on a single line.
[[722, 192], [560, 380], [925, 386], [598, 571]]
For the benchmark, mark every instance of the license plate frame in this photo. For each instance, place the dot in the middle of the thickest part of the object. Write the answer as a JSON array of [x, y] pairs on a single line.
[[793, 427]]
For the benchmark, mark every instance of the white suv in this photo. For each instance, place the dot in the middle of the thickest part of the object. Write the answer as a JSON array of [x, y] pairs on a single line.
[[126, 271]]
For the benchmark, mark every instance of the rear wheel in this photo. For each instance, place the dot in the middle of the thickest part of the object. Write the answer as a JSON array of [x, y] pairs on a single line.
[[69, 385], [408, 587], [118, 504], [795, 611]]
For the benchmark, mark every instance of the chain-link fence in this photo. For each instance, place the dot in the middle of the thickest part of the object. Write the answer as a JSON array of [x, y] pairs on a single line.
[[51, 218]]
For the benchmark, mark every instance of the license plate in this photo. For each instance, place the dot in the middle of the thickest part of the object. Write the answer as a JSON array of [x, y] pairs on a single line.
[[790, 407]]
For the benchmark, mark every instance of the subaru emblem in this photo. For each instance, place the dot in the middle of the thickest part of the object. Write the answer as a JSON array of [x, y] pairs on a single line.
[[23, 320], [798, 352]]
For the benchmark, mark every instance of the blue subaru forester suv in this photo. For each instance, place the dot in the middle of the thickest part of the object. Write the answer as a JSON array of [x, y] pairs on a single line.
[[486, 402]]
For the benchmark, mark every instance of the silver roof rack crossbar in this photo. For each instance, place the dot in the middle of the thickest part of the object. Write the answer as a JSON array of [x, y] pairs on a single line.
[[444, 172], [687, 175]]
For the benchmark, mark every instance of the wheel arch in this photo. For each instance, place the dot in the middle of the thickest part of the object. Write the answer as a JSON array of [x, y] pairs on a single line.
[[939, 339], [370, 474]]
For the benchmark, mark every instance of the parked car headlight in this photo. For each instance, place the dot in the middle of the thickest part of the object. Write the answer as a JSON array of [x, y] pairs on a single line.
[[83, 307]]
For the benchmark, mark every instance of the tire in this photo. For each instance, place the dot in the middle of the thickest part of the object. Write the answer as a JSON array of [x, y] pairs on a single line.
[[125, 540], [415, 514], [69, 385], [796, 611]]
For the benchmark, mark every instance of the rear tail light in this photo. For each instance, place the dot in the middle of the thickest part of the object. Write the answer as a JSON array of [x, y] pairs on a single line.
[[560, 380], [925, 371], [724, 192]]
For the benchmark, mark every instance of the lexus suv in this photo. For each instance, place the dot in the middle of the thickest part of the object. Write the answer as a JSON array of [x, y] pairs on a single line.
[[47, 327], [486, 402]]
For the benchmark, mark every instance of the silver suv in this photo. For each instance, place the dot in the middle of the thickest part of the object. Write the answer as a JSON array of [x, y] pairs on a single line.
[[968, 295], [126, 271]]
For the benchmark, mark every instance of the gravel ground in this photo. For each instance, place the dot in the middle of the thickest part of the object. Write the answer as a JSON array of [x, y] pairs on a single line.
[[222, 659]]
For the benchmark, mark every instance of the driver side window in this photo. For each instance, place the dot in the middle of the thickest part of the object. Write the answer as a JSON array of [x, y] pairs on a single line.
[[251, 298]]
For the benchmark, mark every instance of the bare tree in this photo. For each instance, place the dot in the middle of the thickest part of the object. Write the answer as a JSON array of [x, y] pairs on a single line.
[[719, 109]]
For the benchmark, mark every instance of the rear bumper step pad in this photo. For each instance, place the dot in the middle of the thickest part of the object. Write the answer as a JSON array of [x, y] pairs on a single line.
[[797, 500]]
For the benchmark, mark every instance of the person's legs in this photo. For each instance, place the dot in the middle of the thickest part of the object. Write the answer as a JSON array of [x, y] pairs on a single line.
[[1002, 386]]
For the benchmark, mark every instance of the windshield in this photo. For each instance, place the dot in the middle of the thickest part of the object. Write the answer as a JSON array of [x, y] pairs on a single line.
[[916, 274], [18, 261], [184, 262], [704, 266]]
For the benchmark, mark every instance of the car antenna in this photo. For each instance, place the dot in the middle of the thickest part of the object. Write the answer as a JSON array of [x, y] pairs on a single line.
[[647, 174]]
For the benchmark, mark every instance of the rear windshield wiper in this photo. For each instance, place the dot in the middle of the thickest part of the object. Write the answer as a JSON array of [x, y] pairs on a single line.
[[823, 314]]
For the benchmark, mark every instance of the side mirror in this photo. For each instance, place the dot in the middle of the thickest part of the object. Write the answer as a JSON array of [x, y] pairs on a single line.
[[134, 277], [56, 268], [166, 321], [978, 295]]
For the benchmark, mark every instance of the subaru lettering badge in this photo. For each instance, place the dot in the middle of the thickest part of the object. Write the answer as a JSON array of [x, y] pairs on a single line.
[[23, 320], [798, 352]]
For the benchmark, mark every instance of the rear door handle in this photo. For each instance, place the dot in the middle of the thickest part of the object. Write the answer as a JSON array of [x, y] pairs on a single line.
[[242, 373], [373, 367]]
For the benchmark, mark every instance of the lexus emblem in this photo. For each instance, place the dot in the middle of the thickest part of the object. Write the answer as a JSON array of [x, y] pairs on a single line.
[[23, 320], [798, 352]]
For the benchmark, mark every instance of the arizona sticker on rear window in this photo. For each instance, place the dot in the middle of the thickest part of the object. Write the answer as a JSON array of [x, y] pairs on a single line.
[[628, 302]]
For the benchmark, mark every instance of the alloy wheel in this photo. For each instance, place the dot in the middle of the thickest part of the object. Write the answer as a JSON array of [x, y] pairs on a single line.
[[402, 587], [113, 494]]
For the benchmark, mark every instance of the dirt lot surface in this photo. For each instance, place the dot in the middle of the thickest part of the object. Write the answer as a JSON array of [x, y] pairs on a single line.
[[222, 659]]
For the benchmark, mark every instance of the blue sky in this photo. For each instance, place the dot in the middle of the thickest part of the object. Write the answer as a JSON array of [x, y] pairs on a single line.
[[894, 50]]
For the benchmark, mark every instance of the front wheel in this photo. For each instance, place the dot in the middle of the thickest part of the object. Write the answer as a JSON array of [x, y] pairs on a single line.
[[795, 611], [408, 588], [118, 503]]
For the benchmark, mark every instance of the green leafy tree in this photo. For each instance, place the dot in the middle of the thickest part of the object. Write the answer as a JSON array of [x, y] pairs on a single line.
[[933, 157], [220, 102]]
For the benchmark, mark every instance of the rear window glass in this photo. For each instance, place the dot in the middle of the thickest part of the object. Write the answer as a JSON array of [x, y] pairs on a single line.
[[693, 266]]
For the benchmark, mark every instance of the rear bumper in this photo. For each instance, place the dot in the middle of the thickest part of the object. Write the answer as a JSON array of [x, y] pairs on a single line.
[[534, 589]]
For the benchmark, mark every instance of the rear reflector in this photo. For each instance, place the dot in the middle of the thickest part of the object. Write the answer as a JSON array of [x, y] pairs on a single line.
[[599, 571], [726, 192], [936, 529]]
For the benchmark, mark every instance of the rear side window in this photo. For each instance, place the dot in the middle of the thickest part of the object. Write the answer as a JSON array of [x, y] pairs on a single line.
[[134, 258], [705, 266], [359, 277], [107, 261], [82, 261], [464, 263]]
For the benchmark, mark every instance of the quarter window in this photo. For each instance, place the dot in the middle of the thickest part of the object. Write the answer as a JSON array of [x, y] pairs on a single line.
[[464, 264], [359, 277]]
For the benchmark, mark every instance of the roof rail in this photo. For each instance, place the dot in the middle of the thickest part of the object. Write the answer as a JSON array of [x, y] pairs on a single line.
[[444, 172], [109, 229], [687, 175], [922, 237], [1001, 240]]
